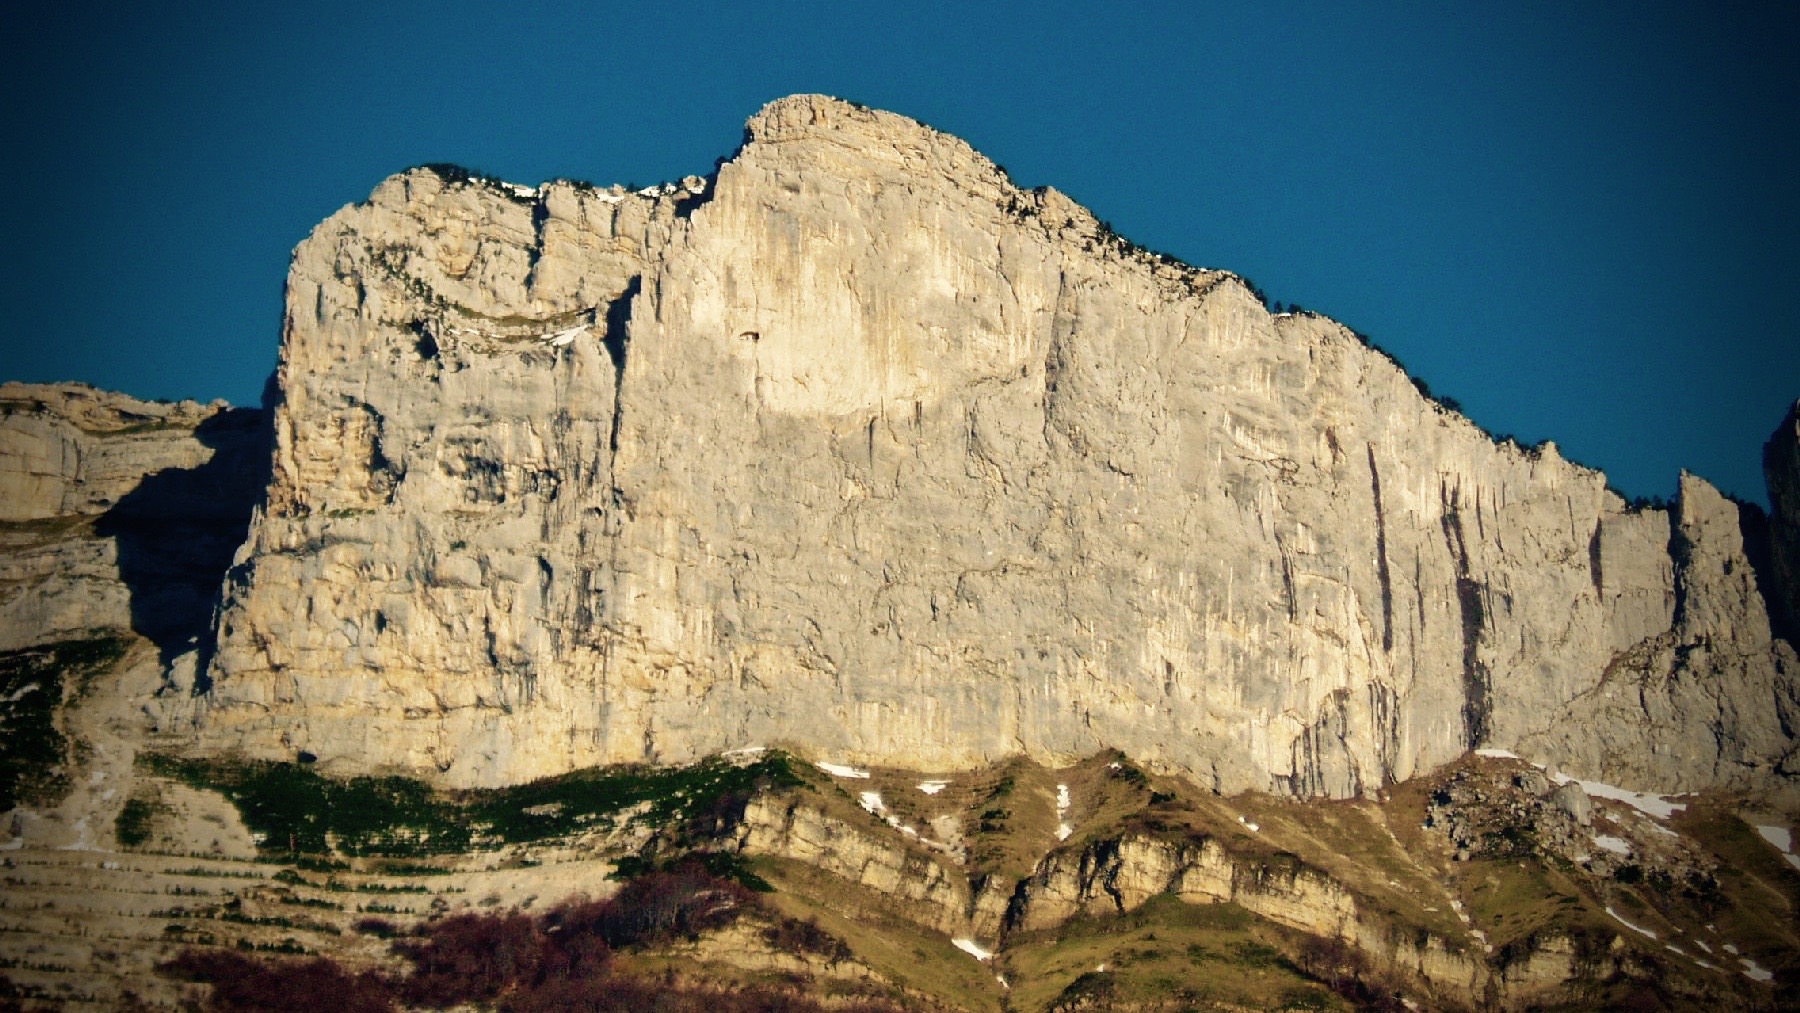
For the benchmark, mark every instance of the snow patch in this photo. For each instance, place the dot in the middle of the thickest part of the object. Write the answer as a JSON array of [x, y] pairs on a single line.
[[837, 770], [1755, 971], [1616, 845], [973, 949], [933, 787], [1253, 828], [1635, 928], [1731, 949], [871, 801], [561, 338], [1649, 804], [1063, 829], [1783, 839], [1779, 835], [19, 693]]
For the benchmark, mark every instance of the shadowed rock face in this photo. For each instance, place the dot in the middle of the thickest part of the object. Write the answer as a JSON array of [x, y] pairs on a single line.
[[121, 514], [177, 531], [1781, 470], [858, 446]]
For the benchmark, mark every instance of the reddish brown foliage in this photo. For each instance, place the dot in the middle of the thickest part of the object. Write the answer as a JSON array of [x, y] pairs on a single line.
[[9, 997], [471, 958], [245, 985]]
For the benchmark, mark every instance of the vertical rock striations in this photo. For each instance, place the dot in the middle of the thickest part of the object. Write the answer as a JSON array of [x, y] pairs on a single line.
[[856, 445]]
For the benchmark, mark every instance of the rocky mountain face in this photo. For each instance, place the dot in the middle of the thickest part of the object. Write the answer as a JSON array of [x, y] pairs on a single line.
[[854, 444]]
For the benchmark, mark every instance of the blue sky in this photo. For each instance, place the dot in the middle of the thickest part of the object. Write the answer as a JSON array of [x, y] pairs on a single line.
[[1577, 219]]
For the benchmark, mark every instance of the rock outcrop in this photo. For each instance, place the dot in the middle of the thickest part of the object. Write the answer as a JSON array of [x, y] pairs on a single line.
[[855, 444], [1120, 875], [120, 514]]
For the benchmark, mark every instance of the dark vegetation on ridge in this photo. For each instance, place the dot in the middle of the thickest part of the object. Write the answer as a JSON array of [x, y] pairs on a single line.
[[297, 810]]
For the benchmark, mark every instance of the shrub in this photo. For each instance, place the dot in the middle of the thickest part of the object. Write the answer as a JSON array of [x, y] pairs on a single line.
[[1092, 989], [794, 936], [380, 928], [133, 826]]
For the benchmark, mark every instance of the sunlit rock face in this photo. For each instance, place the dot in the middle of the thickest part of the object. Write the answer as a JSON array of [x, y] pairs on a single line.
[[857, 446]]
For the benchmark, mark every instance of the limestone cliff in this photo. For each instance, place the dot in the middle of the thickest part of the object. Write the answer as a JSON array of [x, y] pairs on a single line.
[[855, 444]]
